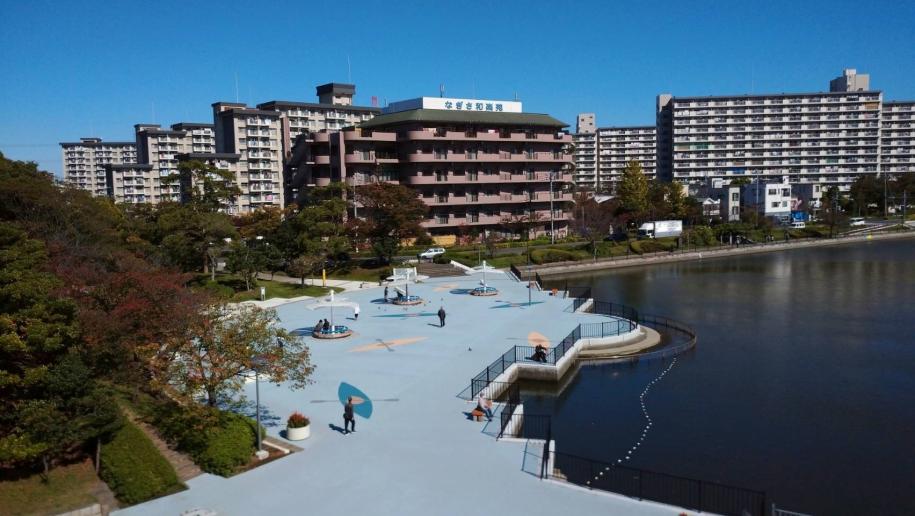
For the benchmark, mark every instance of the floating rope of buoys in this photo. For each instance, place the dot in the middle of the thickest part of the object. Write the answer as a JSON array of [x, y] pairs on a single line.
[[648, 423]]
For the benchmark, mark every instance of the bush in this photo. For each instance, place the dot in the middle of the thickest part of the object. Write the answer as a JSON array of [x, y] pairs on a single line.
[[651, 246], [297, 420], [134, 469], [424, 240], [541, 256], [219, 442]]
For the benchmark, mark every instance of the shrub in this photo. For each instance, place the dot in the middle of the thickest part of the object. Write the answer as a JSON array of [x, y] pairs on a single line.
[[651, 246], [540, 256], [229, 445], [424, 239], [134, 469], [297, 420]]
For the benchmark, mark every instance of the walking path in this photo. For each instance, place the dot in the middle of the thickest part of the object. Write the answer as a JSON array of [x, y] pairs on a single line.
[[418, 454]]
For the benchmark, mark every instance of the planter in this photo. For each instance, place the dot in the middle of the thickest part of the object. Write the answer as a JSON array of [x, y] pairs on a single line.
[[297, 434]]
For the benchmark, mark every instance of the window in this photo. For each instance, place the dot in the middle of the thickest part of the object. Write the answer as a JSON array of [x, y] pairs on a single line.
[[441, 175], [735, 196], [775, 204], [772, 191]]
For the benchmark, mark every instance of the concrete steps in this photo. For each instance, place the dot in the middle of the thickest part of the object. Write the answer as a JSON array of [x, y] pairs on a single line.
[[184, 466], [437, 270]]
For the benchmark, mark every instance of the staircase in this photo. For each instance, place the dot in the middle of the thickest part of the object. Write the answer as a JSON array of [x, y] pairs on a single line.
[[437, 270], [184, 466]]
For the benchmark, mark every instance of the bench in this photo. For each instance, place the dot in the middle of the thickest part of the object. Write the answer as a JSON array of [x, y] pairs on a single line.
[[477, 415]]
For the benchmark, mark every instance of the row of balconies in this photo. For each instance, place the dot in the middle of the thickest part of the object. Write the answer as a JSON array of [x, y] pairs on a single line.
[[775, 129], [503, 177], [481, 135], [451, 219], [831, 100], [422, 157], [502, 198]]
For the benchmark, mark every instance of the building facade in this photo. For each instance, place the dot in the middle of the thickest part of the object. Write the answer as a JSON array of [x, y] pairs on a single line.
[[334, 111], [478, 170], [254, 135], [897, 138], [828, 138], [617, 146], [84, 162]]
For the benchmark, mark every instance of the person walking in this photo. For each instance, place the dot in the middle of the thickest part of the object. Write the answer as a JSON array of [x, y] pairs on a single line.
[[348, 418], [356, 312], [385, 293], [441, 317]]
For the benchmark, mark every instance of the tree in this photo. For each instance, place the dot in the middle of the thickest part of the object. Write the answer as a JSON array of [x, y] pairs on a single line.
[[187, 236], [318, 227], [227, 342], [303, 266], [592, 220], [632, 190], [522, 223], [205, 187], [246, 260], [392, 214], [831, 211]]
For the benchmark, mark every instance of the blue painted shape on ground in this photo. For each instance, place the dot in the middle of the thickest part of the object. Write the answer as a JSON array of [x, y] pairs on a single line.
[[346, 390]]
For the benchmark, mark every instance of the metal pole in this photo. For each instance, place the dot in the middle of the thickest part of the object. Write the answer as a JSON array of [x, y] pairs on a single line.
[[552, 228], [257, 394]]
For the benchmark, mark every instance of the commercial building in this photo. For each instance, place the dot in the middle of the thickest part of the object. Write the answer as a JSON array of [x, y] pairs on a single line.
[[84, 162], [480, 165], [897, 138], [827, 138]]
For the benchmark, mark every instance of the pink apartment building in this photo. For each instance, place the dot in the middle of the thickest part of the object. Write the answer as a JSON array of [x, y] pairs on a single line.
[[476, 163]]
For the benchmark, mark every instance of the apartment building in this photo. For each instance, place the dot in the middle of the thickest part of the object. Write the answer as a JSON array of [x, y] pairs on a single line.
[[601, 153], [333, 111], [478, 164], [133, 183], [897, 138], [585, 143], [84, 162], [254, 135], [828, 138], [617, 146]]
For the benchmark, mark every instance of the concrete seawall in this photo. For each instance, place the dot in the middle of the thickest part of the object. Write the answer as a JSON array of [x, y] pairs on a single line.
[[606, 264]]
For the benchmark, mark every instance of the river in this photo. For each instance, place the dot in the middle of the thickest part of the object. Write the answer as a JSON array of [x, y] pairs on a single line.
[[802, 383]]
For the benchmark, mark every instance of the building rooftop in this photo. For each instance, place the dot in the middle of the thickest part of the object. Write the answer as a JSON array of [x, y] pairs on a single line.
[[98, 143], [336, 88], [463, 117], [766, 95], [274, 104], [191, 125]]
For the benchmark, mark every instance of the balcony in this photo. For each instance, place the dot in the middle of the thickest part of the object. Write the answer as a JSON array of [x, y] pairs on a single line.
[[363, 135]]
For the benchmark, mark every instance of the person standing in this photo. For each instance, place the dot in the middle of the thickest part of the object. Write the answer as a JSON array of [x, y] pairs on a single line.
[[441, 317], [385, 293], [348, 418], [356, 312]]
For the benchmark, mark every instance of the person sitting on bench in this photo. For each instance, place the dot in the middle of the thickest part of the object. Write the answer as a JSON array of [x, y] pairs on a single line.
[[539, 354], [484, 405]]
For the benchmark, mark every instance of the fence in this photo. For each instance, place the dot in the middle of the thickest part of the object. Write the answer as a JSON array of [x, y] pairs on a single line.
[[524, 426], [685, 492]]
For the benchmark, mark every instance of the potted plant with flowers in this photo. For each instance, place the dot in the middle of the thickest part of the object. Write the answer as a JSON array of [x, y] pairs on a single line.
[[297, 427]]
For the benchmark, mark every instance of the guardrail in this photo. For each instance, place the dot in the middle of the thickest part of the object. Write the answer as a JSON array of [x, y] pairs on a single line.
[[685, 492]]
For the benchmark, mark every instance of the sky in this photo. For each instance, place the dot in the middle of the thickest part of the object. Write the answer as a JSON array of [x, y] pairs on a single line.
[[77, 69]]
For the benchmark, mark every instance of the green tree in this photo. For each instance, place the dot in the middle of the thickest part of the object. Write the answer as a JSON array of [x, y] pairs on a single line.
[[228, 342], [246, 259], [186, 236], [632, 190], [831, 211], [319, 226], [303, 266], [392, 213], [206, 187]]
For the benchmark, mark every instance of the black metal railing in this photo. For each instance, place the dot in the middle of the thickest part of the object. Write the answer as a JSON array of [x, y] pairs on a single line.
[[685, 492], [615, 310], [519, 425]]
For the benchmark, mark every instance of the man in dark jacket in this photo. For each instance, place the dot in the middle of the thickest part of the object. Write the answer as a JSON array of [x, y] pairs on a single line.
[[441, 317], [348, 418]]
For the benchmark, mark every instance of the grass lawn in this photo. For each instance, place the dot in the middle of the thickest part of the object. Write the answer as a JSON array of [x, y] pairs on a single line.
[[283, 290], [366, 274], [68, 488]]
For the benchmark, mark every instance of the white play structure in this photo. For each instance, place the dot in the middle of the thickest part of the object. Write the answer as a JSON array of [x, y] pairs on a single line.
[[483, 268]]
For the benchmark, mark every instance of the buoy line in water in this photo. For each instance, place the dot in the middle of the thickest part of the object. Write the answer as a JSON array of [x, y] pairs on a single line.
[[647, 426]]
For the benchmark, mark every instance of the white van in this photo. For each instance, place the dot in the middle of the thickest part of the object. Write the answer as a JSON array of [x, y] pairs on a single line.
[[856, 221], [798, 224]]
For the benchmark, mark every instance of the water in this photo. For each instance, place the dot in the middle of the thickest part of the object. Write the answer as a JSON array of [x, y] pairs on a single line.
[[802, 383]]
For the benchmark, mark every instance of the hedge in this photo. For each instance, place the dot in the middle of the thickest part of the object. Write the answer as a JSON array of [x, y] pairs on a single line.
[[219, 442], [134, 469], [540, 256]]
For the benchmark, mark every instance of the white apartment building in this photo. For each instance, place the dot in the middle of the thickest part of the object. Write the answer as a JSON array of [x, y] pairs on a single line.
[[827, 138], [601, 153], [133, 183], [253, 134], [617, 146], [160, 148], [84, 162], [333, 111], [897, 138]]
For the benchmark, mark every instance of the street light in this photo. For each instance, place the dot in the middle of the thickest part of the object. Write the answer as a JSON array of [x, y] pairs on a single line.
[[257, 363]]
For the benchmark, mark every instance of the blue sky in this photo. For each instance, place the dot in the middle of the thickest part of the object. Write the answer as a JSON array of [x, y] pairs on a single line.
[[73, 69]]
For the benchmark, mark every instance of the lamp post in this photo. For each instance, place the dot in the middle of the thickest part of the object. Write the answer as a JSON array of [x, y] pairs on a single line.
[[257, 363]]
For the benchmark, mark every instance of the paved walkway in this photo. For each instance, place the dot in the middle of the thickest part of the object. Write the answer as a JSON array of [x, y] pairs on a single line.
[[418, 454]]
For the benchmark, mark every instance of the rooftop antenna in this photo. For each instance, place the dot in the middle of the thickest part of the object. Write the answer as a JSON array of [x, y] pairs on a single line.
[[349, 71], [236, 86], [441, 90]]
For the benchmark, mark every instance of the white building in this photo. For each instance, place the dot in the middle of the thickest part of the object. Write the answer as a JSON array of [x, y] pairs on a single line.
[[828, 138], [585, 143], [897, 138], [84, 162], [771, 200], [253, 134], [601, 153]]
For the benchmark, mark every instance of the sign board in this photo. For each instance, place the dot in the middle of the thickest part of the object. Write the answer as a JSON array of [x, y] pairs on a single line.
[[455, 104]]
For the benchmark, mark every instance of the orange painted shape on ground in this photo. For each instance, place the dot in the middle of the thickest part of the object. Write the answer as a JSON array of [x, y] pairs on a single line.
[[387, 344], [534, 339], [445, 286]]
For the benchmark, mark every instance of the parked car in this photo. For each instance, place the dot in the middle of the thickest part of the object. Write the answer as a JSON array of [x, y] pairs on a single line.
[[798, 224], [431, 253], [857, 222]]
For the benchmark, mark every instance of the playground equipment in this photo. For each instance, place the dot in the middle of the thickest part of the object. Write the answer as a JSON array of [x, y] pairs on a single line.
[[335, 331], [483, 268]]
